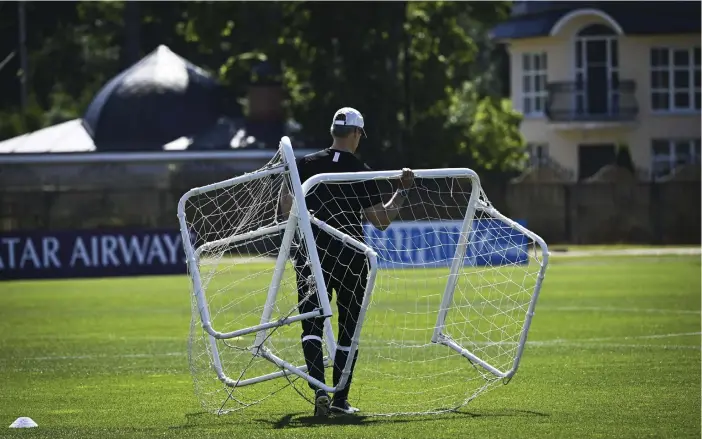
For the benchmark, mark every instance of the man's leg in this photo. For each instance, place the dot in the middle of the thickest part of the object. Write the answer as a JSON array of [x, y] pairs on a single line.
[[312, 329], [349, 299]]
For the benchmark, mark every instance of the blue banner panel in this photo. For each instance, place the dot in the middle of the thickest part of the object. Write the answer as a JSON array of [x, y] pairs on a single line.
[[90, 253], [433, 244]]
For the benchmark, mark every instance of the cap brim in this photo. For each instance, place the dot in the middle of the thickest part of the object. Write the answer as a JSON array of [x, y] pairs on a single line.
[[364, 133]]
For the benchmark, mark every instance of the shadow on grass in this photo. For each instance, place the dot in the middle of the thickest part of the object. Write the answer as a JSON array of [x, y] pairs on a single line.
[[297, 420], [305, 420]]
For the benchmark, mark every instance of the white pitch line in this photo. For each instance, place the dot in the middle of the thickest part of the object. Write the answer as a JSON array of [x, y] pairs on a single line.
[[615, 309], [533, 344], [653, 251], [680, 334], [620, 346], [93, 357], [639, 337]]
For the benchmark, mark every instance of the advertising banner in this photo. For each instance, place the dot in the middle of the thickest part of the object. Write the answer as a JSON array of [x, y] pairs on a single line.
[[90, 253], [433, 244]]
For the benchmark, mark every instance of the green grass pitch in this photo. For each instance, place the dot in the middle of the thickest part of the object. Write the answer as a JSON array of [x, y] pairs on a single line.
[[614, 351]]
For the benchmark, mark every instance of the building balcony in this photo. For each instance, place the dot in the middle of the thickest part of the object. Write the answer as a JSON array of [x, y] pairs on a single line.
[[581, 104]]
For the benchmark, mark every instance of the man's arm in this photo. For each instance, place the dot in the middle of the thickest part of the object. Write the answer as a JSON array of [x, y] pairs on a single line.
[[285, 201], [285, 198], [381, 215]]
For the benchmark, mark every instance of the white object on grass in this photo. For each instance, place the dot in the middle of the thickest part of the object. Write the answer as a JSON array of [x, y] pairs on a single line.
[[23, 422]]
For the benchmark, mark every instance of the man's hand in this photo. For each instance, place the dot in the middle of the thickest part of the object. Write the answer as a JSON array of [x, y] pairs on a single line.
[[407, 179], [381, 215]]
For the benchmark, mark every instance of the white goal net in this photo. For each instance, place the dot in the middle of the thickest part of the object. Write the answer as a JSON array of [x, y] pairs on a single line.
[[447, 291]]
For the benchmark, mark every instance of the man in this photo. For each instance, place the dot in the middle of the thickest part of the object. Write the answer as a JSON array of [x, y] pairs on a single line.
[[345, 269]]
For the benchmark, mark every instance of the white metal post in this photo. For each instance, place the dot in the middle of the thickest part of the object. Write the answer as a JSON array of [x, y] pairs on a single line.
[[306, 228], [384, 175], [458, 259], [537, 288], [197, 282], [277, 276], [265, 353]]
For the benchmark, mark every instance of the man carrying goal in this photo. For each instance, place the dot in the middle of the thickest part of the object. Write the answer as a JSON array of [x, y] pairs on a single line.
[[342, 206]]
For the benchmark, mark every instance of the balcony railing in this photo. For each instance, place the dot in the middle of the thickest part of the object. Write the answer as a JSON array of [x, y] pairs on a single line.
[[575, 101]]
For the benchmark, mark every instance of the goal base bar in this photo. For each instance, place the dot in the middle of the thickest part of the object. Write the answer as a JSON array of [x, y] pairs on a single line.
[[286, 321], [299, 372], [272, 376], [442, 339]]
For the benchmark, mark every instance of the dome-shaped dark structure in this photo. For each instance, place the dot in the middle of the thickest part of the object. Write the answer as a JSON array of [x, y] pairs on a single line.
[[159, 99]]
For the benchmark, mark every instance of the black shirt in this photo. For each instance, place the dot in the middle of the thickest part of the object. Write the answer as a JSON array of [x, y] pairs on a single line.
[[338, 204]]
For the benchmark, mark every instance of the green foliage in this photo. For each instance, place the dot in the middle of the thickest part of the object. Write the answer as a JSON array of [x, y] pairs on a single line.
[[497, 141], [458, 118], [14, 122], [488, 131]]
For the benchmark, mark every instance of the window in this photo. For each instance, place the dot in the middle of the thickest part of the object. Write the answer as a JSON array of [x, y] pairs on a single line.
[[538, 154], [597, 70], [675, 79], [670, 153], [534, 83]]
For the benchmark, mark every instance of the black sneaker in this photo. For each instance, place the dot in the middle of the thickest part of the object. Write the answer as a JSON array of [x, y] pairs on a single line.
[[343, 406], [321, 403]]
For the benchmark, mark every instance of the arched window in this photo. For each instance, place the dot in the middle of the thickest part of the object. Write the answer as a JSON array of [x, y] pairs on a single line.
[[597, 70], [595, 30]]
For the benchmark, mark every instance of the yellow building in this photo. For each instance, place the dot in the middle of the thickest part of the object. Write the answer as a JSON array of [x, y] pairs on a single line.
[[591, 77]]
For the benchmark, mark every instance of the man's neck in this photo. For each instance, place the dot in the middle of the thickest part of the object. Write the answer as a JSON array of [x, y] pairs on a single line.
[[340, 147]]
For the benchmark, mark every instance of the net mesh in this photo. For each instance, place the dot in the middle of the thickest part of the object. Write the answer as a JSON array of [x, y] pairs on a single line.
[[399, 369], [236, 271]]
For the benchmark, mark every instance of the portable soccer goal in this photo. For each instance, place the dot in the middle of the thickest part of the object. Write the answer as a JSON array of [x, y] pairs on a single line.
[[450, 291]]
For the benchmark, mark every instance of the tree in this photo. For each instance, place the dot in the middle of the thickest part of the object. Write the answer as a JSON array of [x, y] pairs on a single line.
[[336, 55], [404, 64], [73, 51], [457, 117]]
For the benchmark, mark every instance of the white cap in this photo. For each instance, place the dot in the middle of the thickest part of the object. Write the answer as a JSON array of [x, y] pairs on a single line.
[[349, 117]]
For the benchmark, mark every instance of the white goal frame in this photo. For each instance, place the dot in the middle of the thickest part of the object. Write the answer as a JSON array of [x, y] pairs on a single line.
[[474, 203], [300, 219]]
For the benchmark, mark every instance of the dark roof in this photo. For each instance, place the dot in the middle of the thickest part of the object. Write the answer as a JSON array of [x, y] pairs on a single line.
[[527, 26], [161, 98], [635, 18]]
